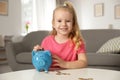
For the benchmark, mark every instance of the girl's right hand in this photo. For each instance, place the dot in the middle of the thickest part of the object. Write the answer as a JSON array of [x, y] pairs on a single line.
[[37, 47]]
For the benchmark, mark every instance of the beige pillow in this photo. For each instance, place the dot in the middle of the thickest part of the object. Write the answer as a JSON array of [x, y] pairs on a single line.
[[111, 46]]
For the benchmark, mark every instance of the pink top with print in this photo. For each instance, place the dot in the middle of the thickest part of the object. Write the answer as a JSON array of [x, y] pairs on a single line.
[[65, 50]]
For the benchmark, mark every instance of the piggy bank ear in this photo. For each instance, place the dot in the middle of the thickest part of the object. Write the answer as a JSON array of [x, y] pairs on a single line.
[[33, 53], [48, 52]]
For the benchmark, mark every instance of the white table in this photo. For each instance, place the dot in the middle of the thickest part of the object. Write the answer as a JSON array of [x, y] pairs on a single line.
[[70, 74]]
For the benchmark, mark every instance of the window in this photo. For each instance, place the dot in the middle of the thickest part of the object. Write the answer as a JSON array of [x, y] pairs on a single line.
[[27, 12], [38, 13]]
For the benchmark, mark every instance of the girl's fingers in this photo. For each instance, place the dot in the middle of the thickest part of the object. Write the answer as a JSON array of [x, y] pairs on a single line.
[[54, 60], [37, 47], [56, 64], [55, 57]]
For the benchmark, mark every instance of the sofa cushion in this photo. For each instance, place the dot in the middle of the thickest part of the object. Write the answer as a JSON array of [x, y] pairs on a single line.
[[24, 57], [111, 46], [103, 59]]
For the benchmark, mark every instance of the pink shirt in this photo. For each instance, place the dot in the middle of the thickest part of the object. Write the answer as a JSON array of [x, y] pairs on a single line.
[[65, 50]]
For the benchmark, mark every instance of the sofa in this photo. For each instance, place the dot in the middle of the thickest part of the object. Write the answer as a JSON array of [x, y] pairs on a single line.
[[18, 50]]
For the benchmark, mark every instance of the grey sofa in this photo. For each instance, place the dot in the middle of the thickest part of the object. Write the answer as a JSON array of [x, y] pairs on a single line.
[[19, 53]]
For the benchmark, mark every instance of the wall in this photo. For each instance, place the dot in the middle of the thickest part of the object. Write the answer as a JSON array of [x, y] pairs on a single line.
[[11, 24], [86, 18]]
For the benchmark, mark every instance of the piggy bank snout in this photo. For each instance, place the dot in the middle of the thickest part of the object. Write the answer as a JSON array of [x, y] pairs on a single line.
[[42, 63]]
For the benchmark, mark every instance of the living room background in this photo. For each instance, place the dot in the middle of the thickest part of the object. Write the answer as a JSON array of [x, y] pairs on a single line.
[[13, 25]]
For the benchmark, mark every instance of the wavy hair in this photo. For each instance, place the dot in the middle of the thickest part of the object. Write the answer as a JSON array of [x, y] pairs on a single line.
[[75, 34]]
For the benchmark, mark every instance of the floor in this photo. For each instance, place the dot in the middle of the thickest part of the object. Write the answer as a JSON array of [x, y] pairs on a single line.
[[3, 62], [4, 67]]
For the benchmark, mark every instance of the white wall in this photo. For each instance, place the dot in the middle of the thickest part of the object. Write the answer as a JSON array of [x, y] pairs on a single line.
[[86, 18], [11, 24]]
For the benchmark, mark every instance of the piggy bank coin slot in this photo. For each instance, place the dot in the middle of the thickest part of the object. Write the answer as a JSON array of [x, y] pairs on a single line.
[[42, 49]]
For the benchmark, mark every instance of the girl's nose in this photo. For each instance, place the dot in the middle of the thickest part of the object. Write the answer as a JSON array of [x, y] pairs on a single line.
[[63, 23]]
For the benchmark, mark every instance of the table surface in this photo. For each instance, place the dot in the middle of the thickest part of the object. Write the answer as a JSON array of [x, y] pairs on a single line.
[[69, 74]]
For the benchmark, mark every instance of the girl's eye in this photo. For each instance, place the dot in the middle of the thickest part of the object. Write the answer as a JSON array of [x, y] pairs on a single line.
[[59, 20], [68, 21]]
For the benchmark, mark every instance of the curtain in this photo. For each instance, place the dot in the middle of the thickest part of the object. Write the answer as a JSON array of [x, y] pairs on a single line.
[[44, 11]]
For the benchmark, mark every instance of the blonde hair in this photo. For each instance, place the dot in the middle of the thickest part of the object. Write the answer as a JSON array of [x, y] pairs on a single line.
[[75, 34]]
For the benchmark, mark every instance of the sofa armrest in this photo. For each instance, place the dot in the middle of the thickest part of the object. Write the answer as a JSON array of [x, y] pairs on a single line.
[[13, 48], [16, 39], [103, 59], [10, 53]]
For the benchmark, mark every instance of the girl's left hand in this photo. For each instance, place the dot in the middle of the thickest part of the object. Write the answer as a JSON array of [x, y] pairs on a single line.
[[58, 61]]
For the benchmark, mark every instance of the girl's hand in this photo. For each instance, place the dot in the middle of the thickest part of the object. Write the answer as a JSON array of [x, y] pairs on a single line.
[[58, 61], [37, 47]]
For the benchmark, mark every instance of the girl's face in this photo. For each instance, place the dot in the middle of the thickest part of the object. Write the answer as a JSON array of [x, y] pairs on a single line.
[[63, 21]]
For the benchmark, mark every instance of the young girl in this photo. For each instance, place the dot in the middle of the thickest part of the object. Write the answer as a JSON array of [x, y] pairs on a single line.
[[65, 41]]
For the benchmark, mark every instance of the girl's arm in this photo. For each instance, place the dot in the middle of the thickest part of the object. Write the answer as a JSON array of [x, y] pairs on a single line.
[[80, 63]]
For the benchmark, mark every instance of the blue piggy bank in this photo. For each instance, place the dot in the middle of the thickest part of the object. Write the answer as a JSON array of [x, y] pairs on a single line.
[[41, 60]]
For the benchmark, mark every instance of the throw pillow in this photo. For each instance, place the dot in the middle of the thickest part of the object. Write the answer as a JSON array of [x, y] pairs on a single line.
[[111, 46]]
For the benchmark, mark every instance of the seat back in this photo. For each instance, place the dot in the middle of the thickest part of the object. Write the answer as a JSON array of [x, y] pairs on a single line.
[[34, 38], [95, 38]]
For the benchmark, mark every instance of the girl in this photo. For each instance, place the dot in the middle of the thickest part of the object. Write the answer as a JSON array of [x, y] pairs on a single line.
[[65, 41]]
